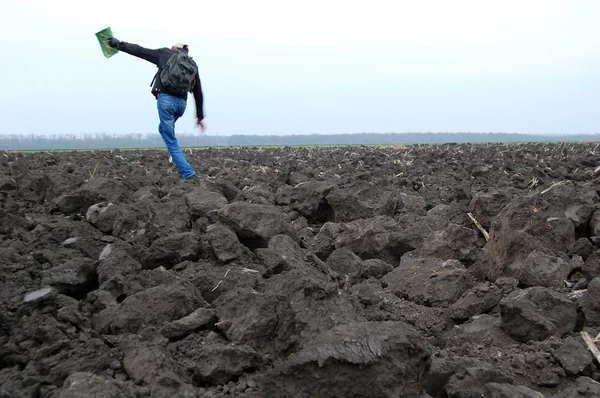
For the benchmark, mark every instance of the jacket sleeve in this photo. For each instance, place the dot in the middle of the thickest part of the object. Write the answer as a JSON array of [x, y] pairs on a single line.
[[140, 52], [199, 98]]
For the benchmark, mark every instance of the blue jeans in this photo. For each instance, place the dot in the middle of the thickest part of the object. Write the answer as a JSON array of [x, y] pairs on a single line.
[[171, 108]]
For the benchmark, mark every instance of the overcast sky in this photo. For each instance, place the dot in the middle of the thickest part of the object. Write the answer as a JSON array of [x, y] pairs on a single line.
[[311, 66]]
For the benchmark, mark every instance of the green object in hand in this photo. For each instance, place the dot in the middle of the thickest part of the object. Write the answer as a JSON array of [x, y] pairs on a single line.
[[103, 37]]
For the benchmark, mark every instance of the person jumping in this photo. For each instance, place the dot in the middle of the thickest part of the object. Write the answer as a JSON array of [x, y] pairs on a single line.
[[177, 76]]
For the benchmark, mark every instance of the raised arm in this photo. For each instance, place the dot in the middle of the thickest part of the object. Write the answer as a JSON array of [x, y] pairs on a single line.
[[136, 50]]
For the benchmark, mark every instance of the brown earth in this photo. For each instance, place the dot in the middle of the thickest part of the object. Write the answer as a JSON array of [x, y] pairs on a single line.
[[346, 272]]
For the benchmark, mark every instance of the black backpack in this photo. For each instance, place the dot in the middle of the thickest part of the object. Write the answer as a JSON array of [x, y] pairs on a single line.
[[179, 74]]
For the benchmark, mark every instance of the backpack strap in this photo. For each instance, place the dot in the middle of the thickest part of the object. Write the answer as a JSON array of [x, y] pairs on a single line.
[[154, 78]]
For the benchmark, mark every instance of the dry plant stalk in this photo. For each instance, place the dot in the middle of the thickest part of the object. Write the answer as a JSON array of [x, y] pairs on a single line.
[[591, 345], [478, 225], [576, 294], [92, 174], [534, 182], [552, 186], [221, 281]]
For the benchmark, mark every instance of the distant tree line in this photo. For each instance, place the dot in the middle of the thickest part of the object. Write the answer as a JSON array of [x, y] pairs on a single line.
[[112, 141]]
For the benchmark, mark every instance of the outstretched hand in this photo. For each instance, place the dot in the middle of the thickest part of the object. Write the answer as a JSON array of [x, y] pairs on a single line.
[[201, 125], [114, 43]]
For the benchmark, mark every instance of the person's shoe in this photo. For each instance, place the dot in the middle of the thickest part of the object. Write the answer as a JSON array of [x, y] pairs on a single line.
[[191, 180], [196, 179]]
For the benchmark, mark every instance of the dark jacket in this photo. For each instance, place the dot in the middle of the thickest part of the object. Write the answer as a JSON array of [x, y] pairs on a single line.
[[159, 58]]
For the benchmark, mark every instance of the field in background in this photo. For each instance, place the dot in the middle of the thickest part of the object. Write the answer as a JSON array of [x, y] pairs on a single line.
[[154, 141]]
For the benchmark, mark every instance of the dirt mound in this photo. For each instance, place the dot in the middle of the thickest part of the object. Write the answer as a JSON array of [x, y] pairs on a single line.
[[341, 272]]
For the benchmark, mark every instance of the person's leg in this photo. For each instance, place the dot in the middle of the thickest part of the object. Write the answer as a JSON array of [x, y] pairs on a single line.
[[169, 110]]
